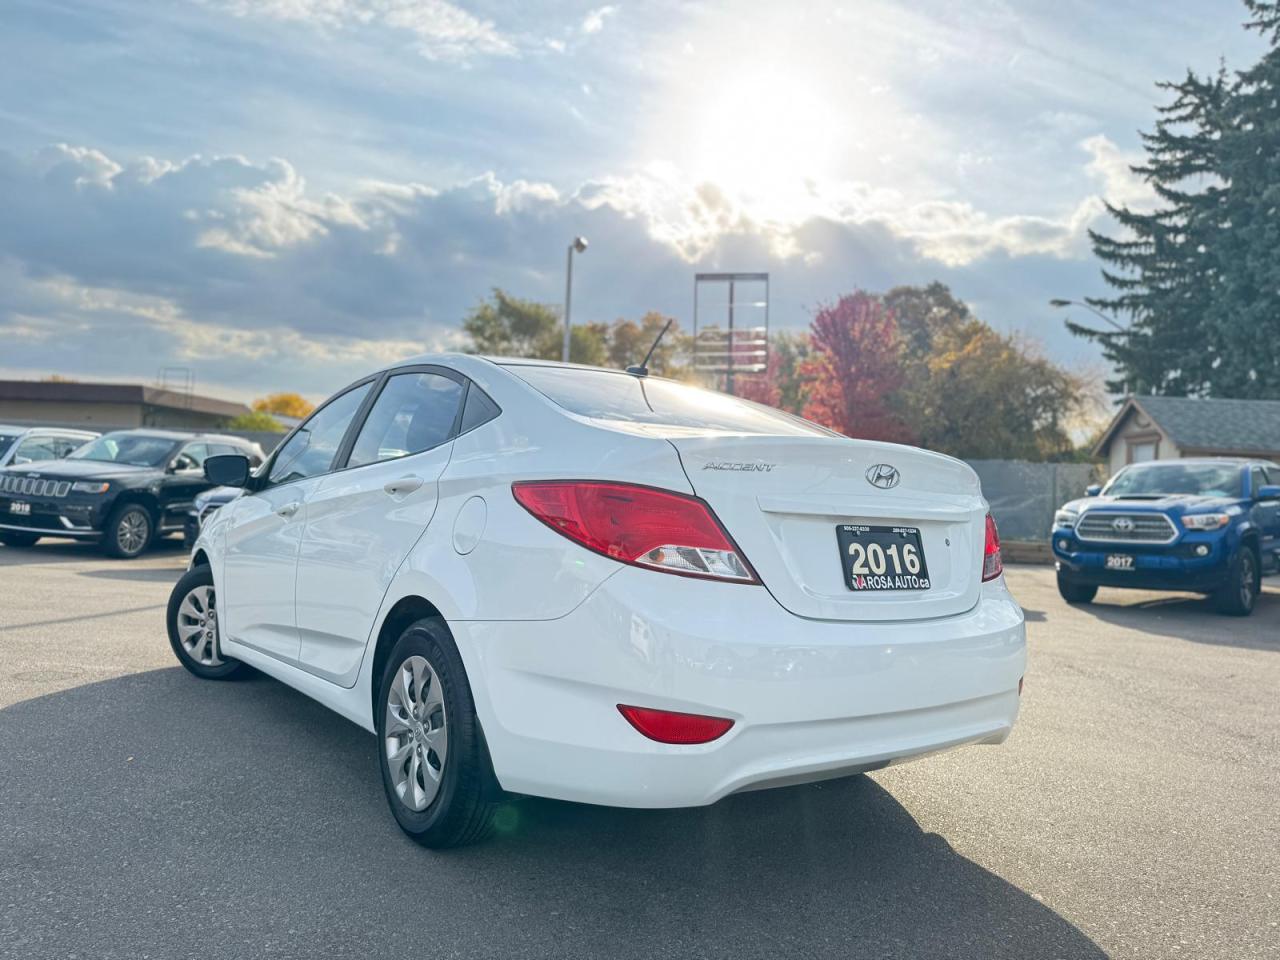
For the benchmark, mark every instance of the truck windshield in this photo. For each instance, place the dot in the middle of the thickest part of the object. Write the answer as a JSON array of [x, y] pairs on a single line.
[[138, 450], [5, 443], [1172, 477]]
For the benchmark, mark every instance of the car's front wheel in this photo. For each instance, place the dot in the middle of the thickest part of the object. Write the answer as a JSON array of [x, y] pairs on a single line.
[[1237, 596], [128, 531], [435, 766], [11, 538], [193, 627], [1076, 592]]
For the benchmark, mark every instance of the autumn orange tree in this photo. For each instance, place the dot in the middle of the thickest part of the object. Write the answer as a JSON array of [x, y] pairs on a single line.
[[284, 404], [854, 369]]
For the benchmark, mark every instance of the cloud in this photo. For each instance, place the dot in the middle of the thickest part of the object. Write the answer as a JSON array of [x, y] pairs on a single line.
[[237, 267], [593, 22], [441, 30]]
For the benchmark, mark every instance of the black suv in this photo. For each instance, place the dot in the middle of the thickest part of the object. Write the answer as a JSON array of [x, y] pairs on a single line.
[[123, 489]]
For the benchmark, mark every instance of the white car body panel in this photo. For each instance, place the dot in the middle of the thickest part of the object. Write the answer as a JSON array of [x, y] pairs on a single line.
[[819, 681]]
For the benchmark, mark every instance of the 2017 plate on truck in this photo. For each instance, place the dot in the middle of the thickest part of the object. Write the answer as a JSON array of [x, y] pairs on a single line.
[[882, 558], [1118, 561]]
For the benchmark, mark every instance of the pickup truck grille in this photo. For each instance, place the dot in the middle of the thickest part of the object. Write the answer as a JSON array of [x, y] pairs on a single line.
[[1126, 528], [35, 486]]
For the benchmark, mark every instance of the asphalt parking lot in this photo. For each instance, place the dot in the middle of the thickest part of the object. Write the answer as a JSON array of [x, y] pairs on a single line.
[[1134, 813]]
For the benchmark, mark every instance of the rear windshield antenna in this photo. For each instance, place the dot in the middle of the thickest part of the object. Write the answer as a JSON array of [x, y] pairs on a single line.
[[643, 369]]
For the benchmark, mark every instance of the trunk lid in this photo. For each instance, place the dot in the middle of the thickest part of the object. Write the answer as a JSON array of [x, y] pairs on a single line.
[[783, 498]]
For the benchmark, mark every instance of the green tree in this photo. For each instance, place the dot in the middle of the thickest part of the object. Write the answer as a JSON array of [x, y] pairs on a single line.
[[1247, 312], [1199, 277], [256, 420], [508, 326]]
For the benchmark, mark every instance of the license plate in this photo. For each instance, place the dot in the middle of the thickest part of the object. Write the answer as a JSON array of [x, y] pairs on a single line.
[[20, 507], [1118, 561], [882, 558]]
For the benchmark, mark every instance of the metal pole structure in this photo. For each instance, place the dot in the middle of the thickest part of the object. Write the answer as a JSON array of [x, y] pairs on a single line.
[[568, 296], [728, 378]]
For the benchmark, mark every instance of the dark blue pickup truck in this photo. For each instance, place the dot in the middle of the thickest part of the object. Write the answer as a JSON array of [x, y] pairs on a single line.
[[1208, 526]]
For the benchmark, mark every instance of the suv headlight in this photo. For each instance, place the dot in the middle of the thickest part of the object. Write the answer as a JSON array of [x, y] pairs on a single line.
[[90, 486], [1205, 521], [1065, 518]]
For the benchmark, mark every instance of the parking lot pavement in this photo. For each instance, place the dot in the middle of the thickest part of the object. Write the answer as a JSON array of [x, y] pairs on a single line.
[[1135, 812]]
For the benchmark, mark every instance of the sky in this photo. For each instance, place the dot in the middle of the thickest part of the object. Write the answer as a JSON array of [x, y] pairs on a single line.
[[285, 194]]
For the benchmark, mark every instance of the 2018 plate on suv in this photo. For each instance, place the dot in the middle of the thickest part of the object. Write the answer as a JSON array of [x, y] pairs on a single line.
[[882, 558]]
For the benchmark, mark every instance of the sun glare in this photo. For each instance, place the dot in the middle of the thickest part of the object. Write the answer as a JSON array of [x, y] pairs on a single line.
[[763, 135]]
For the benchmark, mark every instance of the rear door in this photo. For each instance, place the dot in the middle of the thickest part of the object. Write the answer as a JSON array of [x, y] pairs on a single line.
[[806, 510], [363, 520]]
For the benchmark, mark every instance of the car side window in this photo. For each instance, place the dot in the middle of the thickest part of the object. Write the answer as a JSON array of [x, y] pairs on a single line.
[[1257, 480], [35, 448], [311, 450], [414, 412], [479, 410], [191, 457]]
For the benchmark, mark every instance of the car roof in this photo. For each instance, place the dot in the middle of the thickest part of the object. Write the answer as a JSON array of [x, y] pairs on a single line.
[[178, 436], [62, 431], [1228, 461]]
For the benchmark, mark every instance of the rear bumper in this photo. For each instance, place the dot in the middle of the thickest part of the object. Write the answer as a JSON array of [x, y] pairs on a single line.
[[809, 699]]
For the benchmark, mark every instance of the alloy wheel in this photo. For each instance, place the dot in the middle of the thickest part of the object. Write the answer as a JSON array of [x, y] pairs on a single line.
[[415, 735], [132, 531], [198, 626]]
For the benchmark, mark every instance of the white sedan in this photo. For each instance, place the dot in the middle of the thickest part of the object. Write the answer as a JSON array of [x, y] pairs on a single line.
[[596, 586]]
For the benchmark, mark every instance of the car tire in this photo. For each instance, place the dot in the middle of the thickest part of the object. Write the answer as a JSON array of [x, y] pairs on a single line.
[[1237, 596], [1076, 592], [192, 619], [128, 531], [11, 539], [440, 797]]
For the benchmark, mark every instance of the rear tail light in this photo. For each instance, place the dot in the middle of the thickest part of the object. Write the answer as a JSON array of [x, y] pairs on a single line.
[[992, 564], [666, 726], [657, 529]]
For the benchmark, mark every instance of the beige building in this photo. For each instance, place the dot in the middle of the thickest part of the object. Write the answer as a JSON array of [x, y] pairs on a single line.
[[1167, 428], [110, 405]]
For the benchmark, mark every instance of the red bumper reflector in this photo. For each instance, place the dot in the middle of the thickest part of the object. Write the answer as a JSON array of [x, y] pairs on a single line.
[[666, 726]]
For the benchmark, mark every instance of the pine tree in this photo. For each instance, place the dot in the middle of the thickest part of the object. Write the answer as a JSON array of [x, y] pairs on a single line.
[[1199, 278], [1247, 319], [1164, 267]]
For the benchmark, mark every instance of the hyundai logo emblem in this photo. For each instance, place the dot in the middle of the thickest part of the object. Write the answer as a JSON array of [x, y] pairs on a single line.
[[1122, 525], [883, 475]]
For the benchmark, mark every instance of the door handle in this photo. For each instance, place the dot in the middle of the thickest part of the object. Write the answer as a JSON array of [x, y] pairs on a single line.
[[402, 486], [288, 510]]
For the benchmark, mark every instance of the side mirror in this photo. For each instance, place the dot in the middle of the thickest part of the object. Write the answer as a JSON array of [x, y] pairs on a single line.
[[1093, 489], [1270, 491], [227, 470]]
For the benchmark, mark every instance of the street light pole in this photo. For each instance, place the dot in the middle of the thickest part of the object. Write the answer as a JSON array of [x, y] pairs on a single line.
[[579, 245]]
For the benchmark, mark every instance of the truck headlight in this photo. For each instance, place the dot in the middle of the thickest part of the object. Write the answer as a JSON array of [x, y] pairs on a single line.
[[1205, 521], [1065, 518], [89, 486]]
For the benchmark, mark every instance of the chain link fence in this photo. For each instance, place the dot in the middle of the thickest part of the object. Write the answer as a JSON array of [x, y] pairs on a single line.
[[1024, 495]]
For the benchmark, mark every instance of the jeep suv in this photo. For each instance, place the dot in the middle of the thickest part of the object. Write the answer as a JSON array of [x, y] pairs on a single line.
[[123, 489], [1205, 525]]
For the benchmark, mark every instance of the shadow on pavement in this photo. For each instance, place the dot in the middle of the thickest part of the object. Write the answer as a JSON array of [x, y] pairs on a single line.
[[1189, 617], [73, 551], [160, 815]]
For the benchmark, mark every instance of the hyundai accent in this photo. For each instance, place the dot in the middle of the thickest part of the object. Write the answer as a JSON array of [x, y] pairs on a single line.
[[597, 586]]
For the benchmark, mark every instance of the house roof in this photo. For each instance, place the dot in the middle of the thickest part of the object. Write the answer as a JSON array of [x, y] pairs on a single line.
[[52, 391], [1225, 426]]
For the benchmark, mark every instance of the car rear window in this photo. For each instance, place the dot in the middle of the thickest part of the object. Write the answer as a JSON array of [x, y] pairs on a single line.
[[604, 395]]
